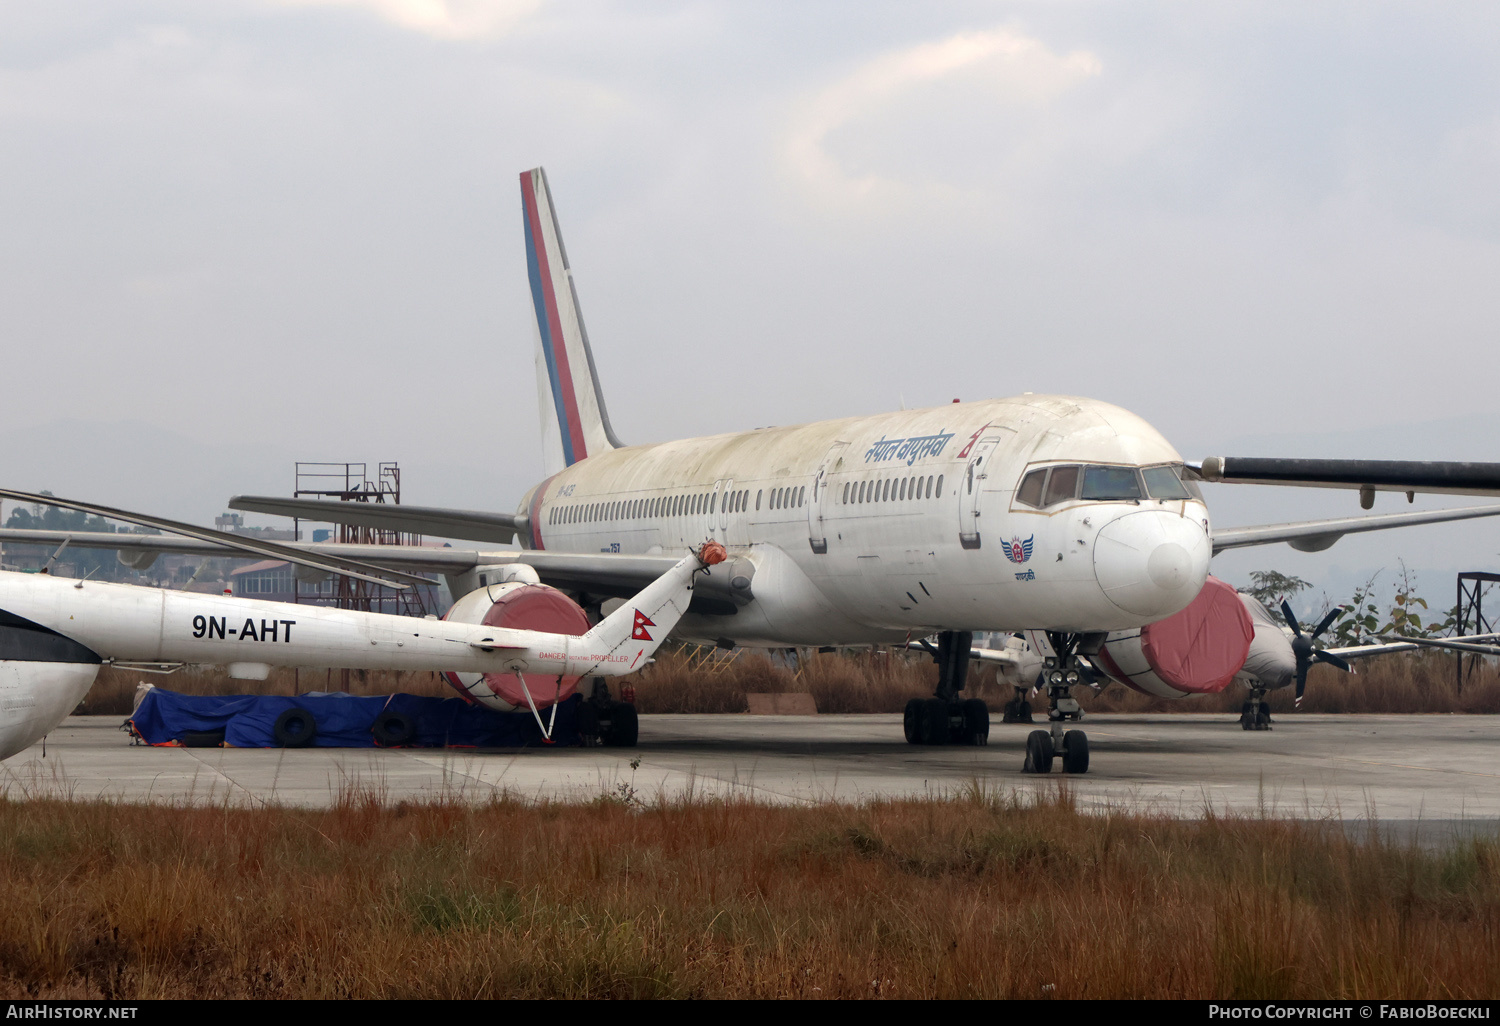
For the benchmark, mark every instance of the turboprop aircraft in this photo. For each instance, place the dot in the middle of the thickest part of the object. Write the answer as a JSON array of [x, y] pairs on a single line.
[[55, 633], [1061, 515], [1163, 660]]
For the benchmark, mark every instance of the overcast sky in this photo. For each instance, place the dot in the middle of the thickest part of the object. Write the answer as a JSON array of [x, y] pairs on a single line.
[[251, 231]]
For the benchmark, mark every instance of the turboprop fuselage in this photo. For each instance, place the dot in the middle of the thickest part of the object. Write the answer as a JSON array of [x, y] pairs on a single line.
[[1032, 512]]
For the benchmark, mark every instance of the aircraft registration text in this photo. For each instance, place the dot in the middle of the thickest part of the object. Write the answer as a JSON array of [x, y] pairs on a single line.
[[212, 627]]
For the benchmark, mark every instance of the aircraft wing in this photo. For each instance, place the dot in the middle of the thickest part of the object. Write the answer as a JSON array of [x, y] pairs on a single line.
[[723, 588], [1317, 535], [470, 525], [237, 545], [1467, 643], [1436, 477]]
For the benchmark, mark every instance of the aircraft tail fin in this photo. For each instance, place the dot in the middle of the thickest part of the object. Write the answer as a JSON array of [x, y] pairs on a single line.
[[573, 412]]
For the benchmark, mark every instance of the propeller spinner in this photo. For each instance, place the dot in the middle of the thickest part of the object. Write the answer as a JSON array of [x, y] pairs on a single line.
[[1305, 649]]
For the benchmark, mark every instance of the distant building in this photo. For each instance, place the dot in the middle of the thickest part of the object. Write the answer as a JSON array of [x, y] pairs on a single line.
[[276, 581]]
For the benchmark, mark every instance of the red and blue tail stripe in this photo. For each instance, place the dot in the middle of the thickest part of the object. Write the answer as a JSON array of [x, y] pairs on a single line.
[[554, 344]]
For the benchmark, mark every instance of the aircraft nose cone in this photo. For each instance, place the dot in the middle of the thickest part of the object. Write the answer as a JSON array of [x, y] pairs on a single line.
[[1169, 565], [1151, 563]]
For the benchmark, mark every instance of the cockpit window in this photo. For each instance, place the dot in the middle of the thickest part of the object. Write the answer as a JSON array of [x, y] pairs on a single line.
[[1062, 485], [1163, 483], [1111, 483], [1030, 492]]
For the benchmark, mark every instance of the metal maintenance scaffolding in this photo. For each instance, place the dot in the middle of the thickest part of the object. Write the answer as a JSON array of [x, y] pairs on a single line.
[[1472, 585], [350, 482]]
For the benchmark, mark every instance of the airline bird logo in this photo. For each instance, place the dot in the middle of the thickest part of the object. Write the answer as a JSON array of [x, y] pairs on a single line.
[[642, 621], [1016, 550]]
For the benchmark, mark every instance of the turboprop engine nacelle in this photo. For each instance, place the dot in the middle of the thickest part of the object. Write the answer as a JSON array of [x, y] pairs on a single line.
[[516, 598]]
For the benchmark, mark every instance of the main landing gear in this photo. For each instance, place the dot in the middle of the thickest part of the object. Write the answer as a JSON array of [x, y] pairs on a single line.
[[1255, 714], [944, 718], [1060, 673], [603, 721]]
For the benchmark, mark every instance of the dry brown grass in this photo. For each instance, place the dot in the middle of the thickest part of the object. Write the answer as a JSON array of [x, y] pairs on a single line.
[[981, 895], [867, 682]]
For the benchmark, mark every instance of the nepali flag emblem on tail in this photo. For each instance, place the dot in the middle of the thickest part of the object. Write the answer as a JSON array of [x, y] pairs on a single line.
[[642, 621], [1016, 550]]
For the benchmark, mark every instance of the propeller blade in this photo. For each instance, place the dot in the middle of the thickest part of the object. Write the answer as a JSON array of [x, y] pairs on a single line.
[[1333, 615], [1291, 618], [1301, 680], [1333, 660]]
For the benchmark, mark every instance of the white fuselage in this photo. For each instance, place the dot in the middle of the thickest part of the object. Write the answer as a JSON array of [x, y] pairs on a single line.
[[868, 529], [55, 633]]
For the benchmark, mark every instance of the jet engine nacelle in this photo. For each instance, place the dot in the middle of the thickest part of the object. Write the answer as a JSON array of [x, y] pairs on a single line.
[[1197, 651], [516, 599]]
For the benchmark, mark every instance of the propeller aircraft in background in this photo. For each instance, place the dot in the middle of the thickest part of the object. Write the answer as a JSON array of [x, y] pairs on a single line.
[[1066, 517]]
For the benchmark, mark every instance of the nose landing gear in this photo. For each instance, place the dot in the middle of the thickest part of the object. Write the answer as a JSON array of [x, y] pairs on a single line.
[[1060, 673], [1017, 710], [1255, 714]]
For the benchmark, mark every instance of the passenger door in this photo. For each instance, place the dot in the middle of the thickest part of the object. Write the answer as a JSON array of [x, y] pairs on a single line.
[[971, 487], [819, 499]]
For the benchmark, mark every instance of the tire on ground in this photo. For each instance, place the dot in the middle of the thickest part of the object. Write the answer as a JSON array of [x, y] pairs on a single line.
[[393, 728], [934, 726], [588, 720], [1038, 752], [624, 726], [975, 729], [1075, 752], [911, 721], [295, 728]]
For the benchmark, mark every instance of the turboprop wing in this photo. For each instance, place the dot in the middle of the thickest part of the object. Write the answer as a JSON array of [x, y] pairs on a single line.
[[1317, 535]]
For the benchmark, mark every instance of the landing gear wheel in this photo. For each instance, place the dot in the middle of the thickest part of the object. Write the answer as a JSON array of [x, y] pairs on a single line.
[[975, 728], [1038, 752], [1012, 711], [911, 721], [588, 725], [1025, 713], [1263, 718], [1075, 752], [934, 723], [624, 726]]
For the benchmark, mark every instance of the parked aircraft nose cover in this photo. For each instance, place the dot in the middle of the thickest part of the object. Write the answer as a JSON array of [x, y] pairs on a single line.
[[1201, 648], [535, 607]]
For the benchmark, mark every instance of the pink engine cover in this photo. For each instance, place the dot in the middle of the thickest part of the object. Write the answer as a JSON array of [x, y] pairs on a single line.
[[534, 607], [1194, 652]]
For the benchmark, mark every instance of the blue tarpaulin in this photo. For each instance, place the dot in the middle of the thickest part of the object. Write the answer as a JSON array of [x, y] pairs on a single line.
[[344, 721]]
